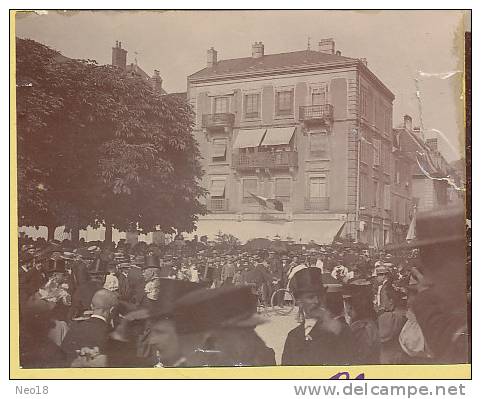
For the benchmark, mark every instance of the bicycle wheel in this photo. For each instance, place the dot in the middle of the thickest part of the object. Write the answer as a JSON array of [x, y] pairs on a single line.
[[283, 302]]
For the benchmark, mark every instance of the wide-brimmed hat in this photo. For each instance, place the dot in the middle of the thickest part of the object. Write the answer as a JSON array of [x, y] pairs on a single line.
[[437, 227], [208, 309], [358, 287]]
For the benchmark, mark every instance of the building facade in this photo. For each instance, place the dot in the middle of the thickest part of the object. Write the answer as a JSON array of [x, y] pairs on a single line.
[[312, 129], [428, 165]]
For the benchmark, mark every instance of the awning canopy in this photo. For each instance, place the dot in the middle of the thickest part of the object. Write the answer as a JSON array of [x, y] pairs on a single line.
[[219, 150], [249, 138], [278, 135], [218, 188], [301, 231]]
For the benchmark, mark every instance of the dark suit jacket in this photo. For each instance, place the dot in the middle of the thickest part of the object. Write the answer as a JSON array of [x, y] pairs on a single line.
[[444, 326], [325, 348], [89, 333]]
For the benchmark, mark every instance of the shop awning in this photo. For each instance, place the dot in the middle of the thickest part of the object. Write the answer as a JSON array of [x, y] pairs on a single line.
[[301, 231], [279, 135], [249, 138], [218, 150], [217, 189]]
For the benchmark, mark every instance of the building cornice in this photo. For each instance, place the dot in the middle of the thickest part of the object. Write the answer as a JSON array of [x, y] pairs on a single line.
[[357, 64], [274, 71], [373, 78]]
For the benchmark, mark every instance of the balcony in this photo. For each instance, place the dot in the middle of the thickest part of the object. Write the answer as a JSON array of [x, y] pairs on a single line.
[[217, 204], [316, 113], [316, 204], [223, 120], [267, 160]]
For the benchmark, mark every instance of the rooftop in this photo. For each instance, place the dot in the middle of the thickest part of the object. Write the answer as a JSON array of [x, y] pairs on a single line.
[[270, 61]]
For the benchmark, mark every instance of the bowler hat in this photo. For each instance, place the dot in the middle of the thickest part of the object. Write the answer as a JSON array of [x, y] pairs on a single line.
[[308, 279], [440, 226]]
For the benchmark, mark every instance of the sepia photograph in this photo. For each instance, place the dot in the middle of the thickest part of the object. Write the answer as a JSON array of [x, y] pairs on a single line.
[[239, 192]]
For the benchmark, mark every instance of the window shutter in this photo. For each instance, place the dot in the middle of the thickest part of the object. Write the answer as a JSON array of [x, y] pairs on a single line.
[[283, 187]]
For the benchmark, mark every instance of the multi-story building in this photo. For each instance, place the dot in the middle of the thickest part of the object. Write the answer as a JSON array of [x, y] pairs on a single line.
[[429, 191], [291, 126], [119, 59]]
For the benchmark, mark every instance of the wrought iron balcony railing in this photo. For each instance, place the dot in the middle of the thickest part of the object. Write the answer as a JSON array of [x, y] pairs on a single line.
[[217, 204], [217, 120], [271, 160], [316, 112], [316, 204]]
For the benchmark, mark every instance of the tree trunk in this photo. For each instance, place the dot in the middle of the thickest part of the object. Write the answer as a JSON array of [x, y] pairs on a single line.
[[108, 232], [75, 234], [51, 231]]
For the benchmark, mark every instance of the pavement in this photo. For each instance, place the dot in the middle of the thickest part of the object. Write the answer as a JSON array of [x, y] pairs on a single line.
[[274, 331]]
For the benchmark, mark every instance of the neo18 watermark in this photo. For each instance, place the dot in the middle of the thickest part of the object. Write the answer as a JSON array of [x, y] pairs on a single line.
[[32, 390]]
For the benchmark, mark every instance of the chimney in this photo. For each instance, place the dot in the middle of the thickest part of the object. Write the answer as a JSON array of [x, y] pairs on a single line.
[[364, 61], [157, 81], [258, 50], [432, 143], [119, 56], [408, 122], [211, 57], [327, 46]]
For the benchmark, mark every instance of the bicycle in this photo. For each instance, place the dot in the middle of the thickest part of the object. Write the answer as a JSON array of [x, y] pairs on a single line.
[[283, 301]]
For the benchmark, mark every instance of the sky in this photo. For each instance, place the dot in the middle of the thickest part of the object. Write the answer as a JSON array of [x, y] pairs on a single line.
[[400, 46]]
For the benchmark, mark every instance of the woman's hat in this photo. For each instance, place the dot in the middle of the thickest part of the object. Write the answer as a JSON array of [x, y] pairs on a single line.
[[436, 227]]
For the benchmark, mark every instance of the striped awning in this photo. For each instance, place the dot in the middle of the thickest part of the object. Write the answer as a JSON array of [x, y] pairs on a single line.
[[301, 231], [218, 150], [217, 188], [249, 138], [278, 136]]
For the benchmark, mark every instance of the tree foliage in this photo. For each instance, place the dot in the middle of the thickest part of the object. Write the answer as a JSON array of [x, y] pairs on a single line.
[[97, 145]]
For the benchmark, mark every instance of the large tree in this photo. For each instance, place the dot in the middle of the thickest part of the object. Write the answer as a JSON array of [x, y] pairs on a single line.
[[97, 145]]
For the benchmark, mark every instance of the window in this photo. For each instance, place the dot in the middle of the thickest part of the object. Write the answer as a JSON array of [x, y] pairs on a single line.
[[366, 151], [221, 105], [387, 121], [319, 96], [283, 189], [317, 187], [319, 145], [397, 172], [249, 186], [387, 197], [377, 151], [219, 149], [375, 192], [251, 105], [386, 158], [364, 101], [284, 102], [364, 190], [217, 188]]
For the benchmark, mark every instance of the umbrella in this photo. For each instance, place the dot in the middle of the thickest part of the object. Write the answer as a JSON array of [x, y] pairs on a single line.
[[279, 246], [258, 244]]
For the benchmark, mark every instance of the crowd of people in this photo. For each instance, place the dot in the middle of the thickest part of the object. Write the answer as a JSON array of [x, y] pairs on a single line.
[[196, 304]]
